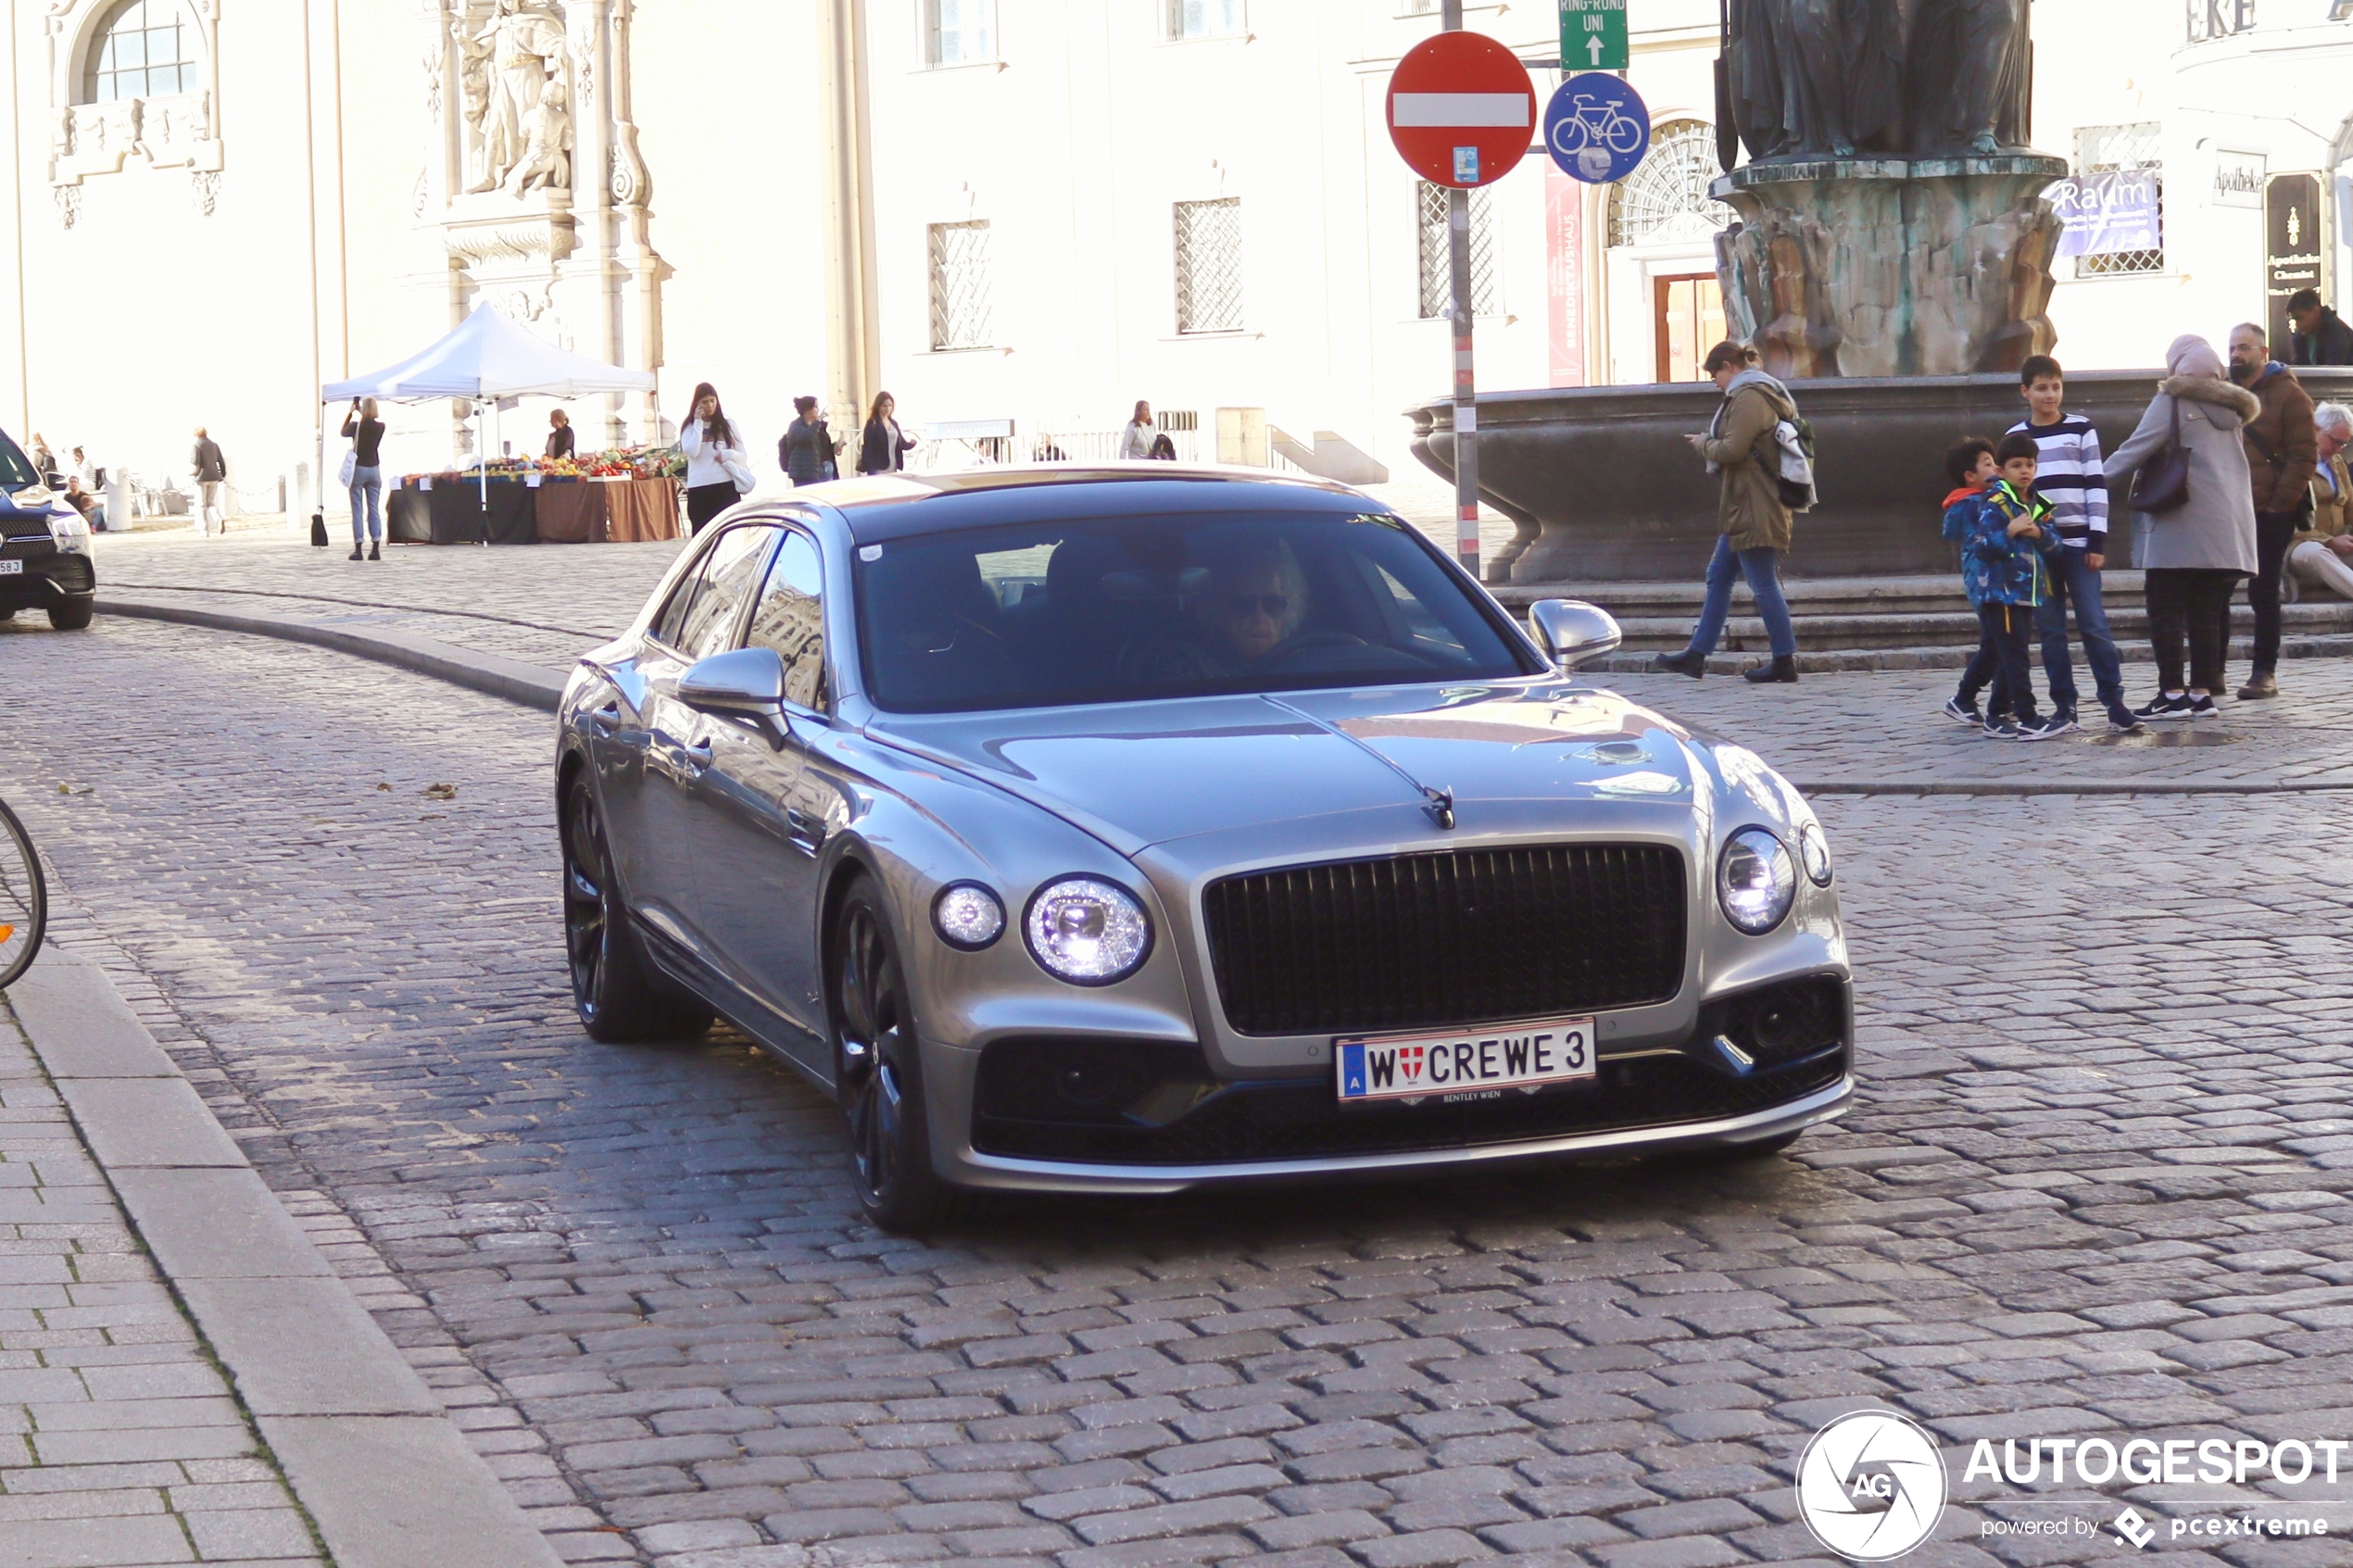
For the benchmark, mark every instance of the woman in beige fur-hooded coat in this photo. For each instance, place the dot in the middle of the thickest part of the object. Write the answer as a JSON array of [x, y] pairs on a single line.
[[2195, 554]]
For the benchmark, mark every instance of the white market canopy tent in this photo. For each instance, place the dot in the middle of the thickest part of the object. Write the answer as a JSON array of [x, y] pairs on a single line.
[[488, 357]]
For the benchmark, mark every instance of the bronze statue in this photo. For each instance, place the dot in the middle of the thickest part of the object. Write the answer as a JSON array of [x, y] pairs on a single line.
[[1826, 78], [1971, 73]]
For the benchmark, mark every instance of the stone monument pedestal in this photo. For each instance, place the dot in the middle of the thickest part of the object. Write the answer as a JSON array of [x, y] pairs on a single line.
[[1890, 267]]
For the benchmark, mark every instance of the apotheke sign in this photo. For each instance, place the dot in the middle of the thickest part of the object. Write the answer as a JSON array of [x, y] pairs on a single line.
[[2227, 19]]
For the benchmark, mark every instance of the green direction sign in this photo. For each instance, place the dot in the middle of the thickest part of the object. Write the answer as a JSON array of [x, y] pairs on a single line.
[[1593, 36]]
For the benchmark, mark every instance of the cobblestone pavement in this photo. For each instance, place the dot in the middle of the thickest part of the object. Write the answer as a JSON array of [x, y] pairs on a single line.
[[2096, 1183], [119, 1440]]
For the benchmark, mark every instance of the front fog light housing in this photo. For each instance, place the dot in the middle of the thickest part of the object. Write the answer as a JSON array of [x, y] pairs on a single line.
[[967, 916], [1814, 850], [70, 534], [1755, 881], [1086, 931]]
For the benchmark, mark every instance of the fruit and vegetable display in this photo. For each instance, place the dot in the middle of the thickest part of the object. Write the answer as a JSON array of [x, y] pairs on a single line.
[[619, 462]]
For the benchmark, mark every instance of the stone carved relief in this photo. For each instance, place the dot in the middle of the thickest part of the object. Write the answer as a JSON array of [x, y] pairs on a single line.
[[509, 61], [165, 130], [533, 186], [69, 204]]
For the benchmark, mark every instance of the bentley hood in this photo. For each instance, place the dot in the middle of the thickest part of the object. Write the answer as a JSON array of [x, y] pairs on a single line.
[[1136, 774]]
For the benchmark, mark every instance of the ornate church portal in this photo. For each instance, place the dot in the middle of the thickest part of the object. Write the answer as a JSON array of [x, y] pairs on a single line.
[[532, 182]]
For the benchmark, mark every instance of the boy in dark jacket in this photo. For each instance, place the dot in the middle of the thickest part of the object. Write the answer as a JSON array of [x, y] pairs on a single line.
[[1971, 468], [2004, 569]]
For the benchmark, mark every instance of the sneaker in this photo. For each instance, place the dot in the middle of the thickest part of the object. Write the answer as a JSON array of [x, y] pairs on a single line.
[[2163, 707], [2051, 728], [1963, 713], [2062, 722], [2122, 723], [2203, 708], [2003, 728]]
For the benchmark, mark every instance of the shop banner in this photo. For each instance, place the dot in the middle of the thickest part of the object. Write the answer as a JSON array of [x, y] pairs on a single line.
[[2108, 213]]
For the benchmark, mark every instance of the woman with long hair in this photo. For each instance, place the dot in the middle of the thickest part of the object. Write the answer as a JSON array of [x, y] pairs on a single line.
[[366, 433], [1135, 441], [883, 447], [711, 443]]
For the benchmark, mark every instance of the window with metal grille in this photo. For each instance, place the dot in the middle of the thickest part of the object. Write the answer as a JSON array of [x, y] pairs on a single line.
[[1438, 277], [1204, 18], [956, 31], [2115, 149], [144, 51], [1666, 199], [1209, 265], [960, 285]]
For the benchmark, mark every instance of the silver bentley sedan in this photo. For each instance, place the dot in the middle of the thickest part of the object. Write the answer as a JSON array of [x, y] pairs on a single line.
[[1131, 828]]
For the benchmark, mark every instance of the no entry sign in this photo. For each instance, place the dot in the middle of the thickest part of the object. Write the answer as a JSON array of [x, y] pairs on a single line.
[[1461, 109]]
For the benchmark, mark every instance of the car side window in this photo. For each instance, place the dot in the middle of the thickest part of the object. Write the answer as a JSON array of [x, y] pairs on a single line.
[[672, 619], [790, 617], [727, 582]]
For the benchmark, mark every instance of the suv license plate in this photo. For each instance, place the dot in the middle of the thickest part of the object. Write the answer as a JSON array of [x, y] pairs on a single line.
[[11, 569], [1480, 1064]]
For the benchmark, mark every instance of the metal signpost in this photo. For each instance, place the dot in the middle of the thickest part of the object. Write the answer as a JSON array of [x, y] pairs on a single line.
[[1461, 111], [1594, 35]]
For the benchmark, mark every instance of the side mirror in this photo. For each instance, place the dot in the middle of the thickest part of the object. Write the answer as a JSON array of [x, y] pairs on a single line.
[[744, 684], [1573, 631]]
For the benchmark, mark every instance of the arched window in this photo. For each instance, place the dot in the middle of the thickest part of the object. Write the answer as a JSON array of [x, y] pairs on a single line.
[[1665, 198], [144, 51]]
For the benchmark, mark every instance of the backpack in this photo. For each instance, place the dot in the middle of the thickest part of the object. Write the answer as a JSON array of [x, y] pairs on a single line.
[[1792, 463]]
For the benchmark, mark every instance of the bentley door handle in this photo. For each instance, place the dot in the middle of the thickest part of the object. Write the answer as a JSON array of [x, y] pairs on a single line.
[[808, 831], [607, 720]]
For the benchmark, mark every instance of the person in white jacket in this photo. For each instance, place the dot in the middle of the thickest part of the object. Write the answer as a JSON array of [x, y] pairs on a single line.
[[716, 470], [1135, 441]]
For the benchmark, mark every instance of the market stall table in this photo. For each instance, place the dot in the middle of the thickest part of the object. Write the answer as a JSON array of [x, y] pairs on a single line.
[[641, 508]]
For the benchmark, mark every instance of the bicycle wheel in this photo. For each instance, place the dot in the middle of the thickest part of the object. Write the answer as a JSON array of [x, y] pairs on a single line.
[[24, 899]]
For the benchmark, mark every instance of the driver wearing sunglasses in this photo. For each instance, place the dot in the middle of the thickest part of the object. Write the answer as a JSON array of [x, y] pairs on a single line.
[[1256, 600]]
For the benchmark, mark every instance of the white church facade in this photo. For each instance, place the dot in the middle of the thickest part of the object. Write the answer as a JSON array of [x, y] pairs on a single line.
[[1018, 216]]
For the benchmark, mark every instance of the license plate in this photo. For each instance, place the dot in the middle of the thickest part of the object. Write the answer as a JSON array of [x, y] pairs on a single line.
[[11, 569], [1471, 1064]]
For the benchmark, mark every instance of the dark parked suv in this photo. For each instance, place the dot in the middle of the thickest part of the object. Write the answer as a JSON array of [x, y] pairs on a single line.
[[44, 547]]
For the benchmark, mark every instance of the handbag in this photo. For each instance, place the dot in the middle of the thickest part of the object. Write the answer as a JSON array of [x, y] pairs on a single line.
[[318, 529], [740, 475], [2162, 484], [350, 466]]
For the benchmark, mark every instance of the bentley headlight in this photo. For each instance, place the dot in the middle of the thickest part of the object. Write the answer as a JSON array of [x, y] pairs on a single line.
[[1814, 850], [968, 916], [70, 532], [1088, 932], [1755, 881]]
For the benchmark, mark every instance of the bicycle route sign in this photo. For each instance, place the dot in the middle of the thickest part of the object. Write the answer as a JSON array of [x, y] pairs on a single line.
[[1594, 35], [1597, 127], [1461, 109]]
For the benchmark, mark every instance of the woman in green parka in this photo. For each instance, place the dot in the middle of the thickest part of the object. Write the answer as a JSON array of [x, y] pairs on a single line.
[[1740, 445]]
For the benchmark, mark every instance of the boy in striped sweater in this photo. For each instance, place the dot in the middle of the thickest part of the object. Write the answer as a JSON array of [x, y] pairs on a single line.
[[2071, 479]]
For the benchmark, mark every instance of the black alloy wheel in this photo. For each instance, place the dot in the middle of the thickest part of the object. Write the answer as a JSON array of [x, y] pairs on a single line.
[[613, 986], [878, 1074]]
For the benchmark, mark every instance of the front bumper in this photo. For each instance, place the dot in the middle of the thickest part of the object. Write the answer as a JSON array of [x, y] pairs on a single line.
[[47, 578], [996, 1128]]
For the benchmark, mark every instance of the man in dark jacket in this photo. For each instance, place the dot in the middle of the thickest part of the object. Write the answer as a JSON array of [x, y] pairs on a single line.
[[2321, 337], [2281, 447], [211, 468]]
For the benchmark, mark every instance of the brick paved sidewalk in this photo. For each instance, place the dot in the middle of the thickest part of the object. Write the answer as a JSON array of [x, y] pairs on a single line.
[[119, 1442]]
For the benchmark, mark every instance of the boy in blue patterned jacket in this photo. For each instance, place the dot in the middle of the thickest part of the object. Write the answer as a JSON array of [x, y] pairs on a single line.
[[2004, 570]]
